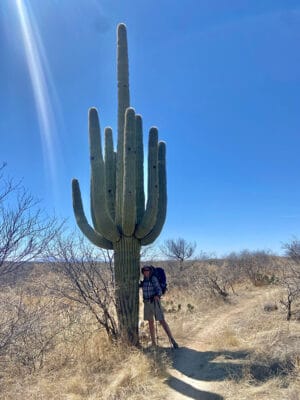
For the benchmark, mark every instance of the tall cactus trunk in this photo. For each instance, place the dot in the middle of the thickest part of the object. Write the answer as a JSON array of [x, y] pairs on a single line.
[[127, 273], [121, 220]]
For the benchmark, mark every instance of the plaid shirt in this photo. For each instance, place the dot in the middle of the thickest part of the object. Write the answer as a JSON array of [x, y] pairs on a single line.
[[151, 288]]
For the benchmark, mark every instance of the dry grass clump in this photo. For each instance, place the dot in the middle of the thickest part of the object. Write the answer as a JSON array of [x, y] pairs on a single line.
[[53, 349], [274, 387], [225, 338], [115, 372], [270, 368], [97, 370]]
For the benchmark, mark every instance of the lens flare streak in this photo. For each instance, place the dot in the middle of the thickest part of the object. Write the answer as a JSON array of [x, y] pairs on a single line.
[[38, 67]]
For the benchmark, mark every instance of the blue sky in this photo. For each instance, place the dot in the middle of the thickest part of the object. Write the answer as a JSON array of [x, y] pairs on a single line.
[[220, 79]]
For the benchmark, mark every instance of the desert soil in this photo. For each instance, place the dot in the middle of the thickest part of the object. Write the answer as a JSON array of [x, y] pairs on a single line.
[[199, 366]]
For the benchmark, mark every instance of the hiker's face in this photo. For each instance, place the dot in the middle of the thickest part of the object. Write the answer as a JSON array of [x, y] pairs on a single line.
[[146, 272]]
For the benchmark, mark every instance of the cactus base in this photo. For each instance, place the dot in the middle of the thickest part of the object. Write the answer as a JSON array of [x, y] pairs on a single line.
[[127, 275]]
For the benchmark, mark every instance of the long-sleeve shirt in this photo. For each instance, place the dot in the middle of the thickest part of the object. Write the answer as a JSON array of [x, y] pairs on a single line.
[[151, 288]]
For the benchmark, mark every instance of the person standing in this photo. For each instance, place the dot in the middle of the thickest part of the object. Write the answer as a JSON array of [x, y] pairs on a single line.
[[152, 307]]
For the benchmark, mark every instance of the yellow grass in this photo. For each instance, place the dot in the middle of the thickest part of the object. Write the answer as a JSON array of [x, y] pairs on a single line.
[[97, 371]]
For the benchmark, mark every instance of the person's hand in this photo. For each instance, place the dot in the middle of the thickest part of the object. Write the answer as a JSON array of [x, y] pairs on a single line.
[[156, 298]]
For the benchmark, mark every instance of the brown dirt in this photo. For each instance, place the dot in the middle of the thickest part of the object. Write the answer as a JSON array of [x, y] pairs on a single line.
[[199, 366]]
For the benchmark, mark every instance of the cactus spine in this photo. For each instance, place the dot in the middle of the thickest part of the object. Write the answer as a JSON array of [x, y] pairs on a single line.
[[121, 221]]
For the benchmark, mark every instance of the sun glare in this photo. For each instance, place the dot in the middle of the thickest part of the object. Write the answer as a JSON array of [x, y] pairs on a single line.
[[41, 82]]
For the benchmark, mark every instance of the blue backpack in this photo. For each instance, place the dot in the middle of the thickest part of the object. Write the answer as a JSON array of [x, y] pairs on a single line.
[[161, 276]]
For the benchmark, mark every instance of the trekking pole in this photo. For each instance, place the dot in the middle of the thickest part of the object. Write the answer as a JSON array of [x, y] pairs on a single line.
[[156, 328]]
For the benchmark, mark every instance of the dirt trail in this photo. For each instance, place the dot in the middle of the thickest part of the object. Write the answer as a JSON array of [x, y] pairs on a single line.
[[197, 367]]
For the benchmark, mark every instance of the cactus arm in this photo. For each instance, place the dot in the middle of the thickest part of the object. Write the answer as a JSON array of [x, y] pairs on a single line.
[[92, 194], [81, 220], [123, 104], [110, 173], [149, 219], [140, 194], [129, 183], [162, 199], [105, 225]]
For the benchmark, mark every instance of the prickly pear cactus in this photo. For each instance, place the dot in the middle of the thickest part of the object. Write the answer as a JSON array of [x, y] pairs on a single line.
[[121, 219]]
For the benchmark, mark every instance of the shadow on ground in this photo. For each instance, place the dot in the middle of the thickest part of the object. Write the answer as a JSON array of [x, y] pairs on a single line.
[[189, 391], [206, 366], [216, 366], [209, 365]]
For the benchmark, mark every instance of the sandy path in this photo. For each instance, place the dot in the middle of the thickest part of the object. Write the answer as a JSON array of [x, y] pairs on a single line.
[[190, 378], [197, 367]]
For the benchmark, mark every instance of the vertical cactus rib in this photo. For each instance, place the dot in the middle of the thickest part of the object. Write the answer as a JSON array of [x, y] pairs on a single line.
[[140, 194], [162, 199], [123, 104], [129, 182], [110, 173], [81, 220], [94, 220], [149, 219], [104, 223]]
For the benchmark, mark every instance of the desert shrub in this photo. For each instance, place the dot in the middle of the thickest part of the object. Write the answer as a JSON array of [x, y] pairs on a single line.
[[216, 280], [170, 306], [277, 358], [211, 280], [290, 279], [260, 266], [269, 307], [179, 250], [292, 250], [85, 275], [25, 229], [30, 328]]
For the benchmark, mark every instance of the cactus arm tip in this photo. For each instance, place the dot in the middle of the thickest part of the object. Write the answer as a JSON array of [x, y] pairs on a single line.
[[121, 27]]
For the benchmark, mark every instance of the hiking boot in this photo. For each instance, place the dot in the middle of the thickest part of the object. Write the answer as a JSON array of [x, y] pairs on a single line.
[[174, 344], [152, 349]]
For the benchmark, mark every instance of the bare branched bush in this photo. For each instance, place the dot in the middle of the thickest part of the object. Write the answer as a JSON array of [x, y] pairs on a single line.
[[292, 250], [85, 276], [179, 250], [290, 278], [25, 228]]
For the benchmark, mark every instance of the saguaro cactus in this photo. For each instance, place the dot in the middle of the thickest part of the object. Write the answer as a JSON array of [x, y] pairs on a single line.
[[121, 220]]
